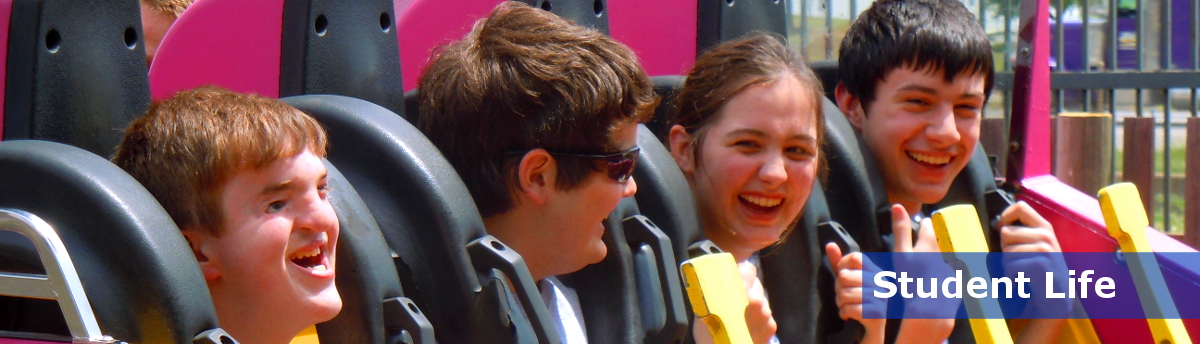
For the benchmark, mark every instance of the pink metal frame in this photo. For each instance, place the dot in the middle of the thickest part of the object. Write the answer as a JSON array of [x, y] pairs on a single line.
[[5, 15], [661, 32], [232, 43], [1076, 217], [22, 341], [423, 25]]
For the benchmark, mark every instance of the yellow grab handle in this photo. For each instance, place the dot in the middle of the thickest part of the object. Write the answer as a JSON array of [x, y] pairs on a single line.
[[714, 286], [958, 231], [1125, 217], [308, 336]]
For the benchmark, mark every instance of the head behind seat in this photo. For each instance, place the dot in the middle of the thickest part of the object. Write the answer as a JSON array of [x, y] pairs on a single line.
[[137, 271]]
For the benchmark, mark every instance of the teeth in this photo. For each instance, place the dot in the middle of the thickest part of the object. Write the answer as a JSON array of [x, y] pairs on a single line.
[[319, 268], [762, 201], [929, 159], [309, 253]]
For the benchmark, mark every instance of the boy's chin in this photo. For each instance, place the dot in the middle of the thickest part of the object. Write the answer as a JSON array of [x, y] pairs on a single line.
[[324, 305]]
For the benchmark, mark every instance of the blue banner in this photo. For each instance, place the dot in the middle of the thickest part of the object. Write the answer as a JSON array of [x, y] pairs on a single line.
[[1027, 286]]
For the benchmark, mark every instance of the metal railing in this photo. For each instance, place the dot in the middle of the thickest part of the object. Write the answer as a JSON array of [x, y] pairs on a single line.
[[61, 281], [1108, 57]]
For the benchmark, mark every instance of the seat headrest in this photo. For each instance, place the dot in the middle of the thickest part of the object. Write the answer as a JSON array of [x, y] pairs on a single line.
[[854, 190], [366, 275], [827, 71], [796, 303], [314, 47], [76, 71], [722, 20], [107, 220], [667, 87], [607, 291], [424, 211], [664, 195]]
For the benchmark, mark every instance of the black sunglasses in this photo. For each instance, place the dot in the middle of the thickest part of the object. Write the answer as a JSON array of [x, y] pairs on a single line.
[[619, 165]]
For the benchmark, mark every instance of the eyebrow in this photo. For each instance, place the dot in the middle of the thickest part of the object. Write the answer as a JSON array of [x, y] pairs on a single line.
[[285, 185], [276, 188], [930, 90], [760, 133]]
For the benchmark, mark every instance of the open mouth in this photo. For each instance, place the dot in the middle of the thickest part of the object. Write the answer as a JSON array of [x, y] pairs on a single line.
[[759, 203], [313, 259], [929, 159]]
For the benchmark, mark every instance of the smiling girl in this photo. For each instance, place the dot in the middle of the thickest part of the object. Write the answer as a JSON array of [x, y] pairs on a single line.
[[748, 137]]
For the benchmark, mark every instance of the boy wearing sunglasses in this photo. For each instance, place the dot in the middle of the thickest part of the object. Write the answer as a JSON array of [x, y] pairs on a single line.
[[539, 117]]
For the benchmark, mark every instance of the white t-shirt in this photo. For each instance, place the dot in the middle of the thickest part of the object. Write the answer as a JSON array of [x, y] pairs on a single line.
[[563, 304]]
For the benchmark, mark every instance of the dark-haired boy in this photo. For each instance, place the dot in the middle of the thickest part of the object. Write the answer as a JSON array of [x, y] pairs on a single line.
[[539, 117], [915, 77]]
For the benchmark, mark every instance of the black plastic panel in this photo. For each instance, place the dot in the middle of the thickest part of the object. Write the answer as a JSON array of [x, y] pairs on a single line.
[[796, 302], [667, 87], [366, 276], [664, 195], [72, 78], [588, 13], [341, 47], [854, 189], [608, 296], [129, 254], [721, 20]]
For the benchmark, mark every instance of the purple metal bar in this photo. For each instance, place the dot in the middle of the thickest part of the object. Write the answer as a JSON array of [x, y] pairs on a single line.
[[1029, 128]]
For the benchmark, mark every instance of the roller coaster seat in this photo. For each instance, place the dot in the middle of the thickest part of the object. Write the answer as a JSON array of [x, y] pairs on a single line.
[[426, 216], [128, 254]]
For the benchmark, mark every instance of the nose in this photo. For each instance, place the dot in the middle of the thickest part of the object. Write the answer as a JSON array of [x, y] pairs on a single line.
[[317, 216], [943, 129], [630, 188], [772, 172]]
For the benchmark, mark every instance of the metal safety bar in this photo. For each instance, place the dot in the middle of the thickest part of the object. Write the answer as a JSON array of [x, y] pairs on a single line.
[[61, 282]]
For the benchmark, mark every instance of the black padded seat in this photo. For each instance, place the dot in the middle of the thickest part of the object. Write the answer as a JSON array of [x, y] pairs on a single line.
[[798, 279], [429, 220], [374, 309], [854, 190], [634, 295], [664, 195], [827, 71], [136, 269], [608, 290], [667, 88]]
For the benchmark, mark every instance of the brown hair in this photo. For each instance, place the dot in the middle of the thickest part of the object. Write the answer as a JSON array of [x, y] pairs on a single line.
[[185, 148], [522, 79], [734, 66], [172, 8]]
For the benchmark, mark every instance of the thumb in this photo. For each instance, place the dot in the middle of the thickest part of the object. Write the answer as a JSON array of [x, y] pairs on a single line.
[[834, 254], [901, 229]]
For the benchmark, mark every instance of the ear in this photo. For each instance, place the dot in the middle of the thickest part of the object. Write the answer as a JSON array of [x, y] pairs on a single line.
[[682, 149], [201, 243], [537, 175], [850, 105]]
